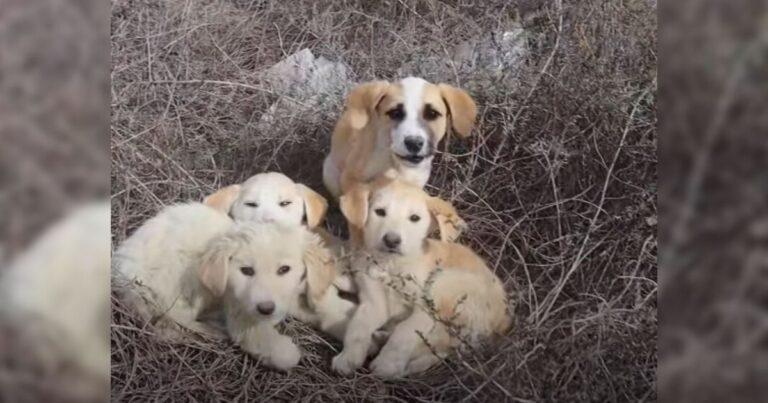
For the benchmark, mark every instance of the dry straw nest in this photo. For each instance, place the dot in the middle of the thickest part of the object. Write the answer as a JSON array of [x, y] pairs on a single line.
[[557, 185]]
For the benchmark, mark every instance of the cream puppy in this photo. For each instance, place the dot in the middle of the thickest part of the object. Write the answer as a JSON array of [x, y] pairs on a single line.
[[191, 260], [155, 269], [394, 125], [270, 197], [260, 270], [56, 294], [420, 285], [153, 265]]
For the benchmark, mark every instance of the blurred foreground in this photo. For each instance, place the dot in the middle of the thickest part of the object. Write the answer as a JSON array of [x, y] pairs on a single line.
[[54, 163]]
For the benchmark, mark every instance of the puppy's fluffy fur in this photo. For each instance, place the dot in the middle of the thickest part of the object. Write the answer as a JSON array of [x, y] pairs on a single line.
[[191, 260], [274, 197], [286, 269], [156, 266], [394, 126], [57, 294], [270, 197], [420, 285]]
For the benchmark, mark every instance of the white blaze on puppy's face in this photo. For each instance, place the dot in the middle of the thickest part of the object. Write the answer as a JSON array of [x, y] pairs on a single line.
[[267, 272], [269, 198], [414, 113], [398, 220]]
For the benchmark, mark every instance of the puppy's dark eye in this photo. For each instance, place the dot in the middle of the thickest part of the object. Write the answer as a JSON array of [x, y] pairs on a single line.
[[414, 218], [397, 113], [380, 212], [247, 270], [430, 113], [285, 203], [283, 269], [252, 204]]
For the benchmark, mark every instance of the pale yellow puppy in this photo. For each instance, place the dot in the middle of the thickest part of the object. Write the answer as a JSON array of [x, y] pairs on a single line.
[[273, 197], [56, 293], [270, 197], [261, 271], [394, 126], [156, 269], [402, 275], [191, 259]]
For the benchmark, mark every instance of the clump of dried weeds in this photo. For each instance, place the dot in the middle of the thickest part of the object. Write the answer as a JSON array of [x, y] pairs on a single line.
[[557, 185]]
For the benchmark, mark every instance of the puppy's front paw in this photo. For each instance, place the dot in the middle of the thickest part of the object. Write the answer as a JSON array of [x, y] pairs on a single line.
[[284, 355], [344, 364], [383, 367]]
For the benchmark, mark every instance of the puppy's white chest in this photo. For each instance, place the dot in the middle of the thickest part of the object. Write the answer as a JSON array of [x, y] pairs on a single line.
[[418, 175]]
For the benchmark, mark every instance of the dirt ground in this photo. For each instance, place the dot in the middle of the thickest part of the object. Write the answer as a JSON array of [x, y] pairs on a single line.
[[558, 183]]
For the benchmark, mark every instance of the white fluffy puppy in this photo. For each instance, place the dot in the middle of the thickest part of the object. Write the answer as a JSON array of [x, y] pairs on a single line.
[[57, 294], [156, 262], [270, 197], [191, 260], [156, 267], [262, 272]]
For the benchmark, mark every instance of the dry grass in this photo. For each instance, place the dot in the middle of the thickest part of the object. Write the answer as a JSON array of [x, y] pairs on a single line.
[[558, 184]]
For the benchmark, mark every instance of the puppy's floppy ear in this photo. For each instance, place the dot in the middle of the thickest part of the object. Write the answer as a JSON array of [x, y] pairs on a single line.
[[362, 101], [223, 199], [315, 205], [354, 205], [448, 221], [321, 269], [461, 108], [214, 265]]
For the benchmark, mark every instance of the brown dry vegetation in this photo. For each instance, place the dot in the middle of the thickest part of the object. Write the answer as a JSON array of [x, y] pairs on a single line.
[[558, 184]]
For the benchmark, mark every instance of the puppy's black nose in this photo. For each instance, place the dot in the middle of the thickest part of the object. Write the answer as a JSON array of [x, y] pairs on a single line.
[[265, 308], [414, 143], [391, 240]]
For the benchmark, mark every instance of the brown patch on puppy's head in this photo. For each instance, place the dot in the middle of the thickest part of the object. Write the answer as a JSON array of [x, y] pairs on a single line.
[[315, 206], [362, 101], [223, 198], [462, 109]]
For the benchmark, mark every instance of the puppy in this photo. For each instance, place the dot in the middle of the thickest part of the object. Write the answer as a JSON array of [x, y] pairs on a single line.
[[423, 286], [260, 271], [394, 125], [56, 296], [270, 197], [155, 269], [167, 272], [273, 197], [152, 267]]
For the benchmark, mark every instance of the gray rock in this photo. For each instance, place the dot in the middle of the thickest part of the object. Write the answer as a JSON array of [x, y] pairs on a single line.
[[497, 55], [302, 74], [304, 82]]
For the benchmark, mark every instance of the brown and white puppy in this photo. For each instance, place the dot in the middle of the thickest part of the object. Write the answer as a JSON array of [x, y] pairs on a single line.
[[419, 284], [394, 125]]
